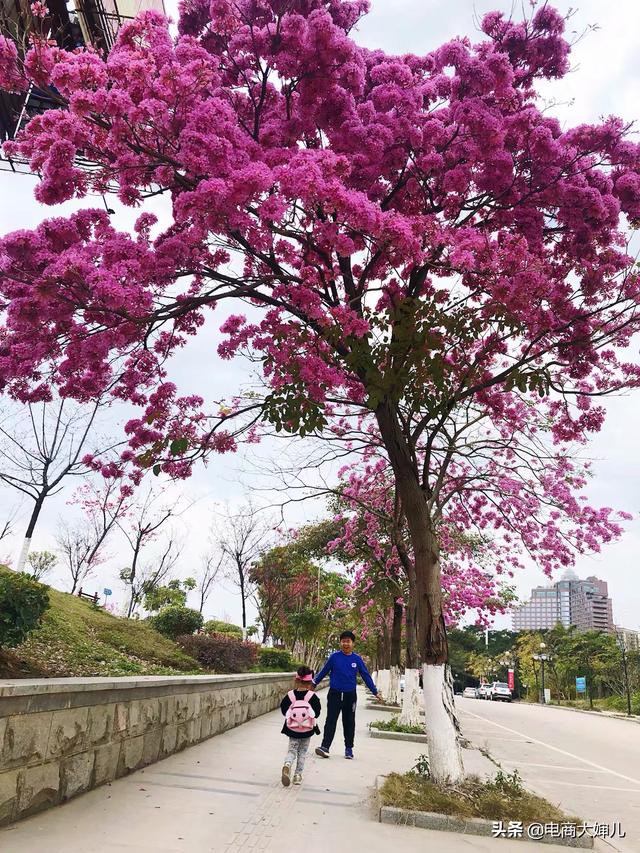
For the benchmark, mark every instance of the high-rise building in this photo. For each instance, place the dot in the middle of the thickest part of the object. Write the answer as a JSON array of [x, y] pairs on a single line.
[[71, 24], [628, 638], [569, 601]]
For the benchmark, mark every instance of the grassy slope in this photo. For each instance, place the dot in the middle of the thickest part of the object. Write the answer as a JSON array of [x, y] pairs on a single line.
[[77, 639]]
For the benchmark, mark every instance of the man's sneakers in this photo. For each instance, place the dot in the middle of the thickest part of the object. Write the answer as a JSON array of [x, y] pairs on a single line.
[[322, 752], [348, 753], [297, 778], [286, 775]]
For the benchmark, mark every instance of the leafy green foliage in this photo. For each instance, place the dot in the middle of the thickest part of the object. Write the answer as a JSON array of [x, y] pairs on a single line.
[[175, 592], [41, 563], [393, 725], [217, 626], [421, 767], [176, 620], [279, 660], [23, 602]]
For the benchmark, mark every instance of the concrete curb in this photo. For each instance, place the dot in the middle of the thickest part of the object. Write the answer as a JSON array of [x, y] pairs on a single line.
[[461, 825], [607, 715], [408, 736], [376, 706]]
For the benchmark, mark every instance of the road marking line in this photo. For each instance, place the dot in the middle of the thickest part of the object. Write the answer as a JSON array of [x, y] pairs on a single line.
[[583, 785], [557, 749], [551, 766]]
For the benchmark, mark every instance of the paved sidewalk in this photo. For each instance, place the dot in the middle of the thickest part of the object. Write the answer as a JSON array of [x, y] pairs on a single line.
[[225, 796]]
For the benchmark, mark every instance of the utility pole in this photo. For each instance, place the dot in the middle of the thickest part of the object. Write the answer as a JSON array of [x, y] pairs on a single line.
[[623, 651]]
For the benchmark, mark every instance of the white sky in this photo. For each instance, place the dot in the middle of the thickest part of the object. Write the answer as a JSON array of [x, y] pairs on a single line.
[[604, 81]]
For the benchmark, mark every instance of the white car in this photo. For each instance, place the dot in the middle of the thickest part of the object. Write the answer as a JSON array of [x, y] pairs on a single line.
[[499, 692], [482, 691], [470, 692]]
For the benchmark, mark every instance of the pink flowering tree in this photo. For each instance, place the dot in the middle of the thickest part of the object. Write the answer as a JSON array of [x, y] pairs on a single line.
[[414, 235], [81, 543]]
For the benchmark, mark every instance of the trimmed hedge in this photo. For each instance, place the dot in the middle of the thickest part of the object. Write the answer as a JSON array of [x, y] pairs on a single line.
[[277, 659], [217, 626], [176, 620], [222, 653]]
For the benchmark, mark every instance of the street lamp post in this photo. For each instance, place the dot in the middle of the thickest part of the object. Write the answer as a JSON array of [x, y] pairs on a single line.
[[542, 657], [623, 651]]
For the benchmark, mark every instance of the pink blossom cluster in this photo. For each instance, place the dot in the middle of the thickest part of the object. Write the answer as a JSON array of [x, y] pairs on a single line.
[[415, 234]]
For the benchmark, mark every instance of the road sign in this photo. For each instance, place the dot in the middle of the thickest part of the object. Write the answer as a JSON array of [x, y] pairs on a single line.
[[581, 684], [107, 591], [511, 680]]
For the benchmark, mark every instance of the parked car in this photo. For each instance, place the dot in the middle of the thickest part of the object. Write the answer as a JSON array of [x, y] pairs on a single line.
[[482, 691], [499, 692], [470, 692]]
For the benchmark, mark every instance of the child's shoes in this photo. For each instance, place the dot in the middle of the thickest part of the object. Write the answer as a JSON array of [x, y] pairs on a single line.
[[297, 778], [286, 775]]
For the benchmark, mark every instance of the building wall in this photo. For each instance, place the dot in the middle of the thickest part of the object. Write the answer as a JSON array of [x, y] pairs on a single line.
[[569, 601], [61, 737]]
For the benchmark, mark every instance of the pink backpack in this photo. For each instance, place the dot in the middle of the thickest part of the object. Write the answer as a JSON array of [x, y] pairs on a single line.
[[300, 716]]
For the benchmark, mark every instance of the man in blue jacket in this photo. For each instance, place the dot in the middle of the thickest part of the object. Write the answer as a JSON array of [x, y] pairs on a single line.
[[344, 667]]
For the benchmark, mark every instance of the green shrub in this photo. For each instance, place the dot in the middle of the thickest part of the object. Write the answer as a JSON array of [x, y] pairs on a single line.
[[23, 601], [619, 703], [276, 659], [217, 626], [176, 620], [393, 725], [220, 652]]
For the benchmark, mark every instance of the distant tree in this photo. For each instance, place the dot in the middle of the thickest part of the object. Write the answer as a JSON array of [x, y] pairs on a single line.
[[43, 443], [211, 565], [244, 536], [174, 593], [40, 563], [142, 530], [81, 543]]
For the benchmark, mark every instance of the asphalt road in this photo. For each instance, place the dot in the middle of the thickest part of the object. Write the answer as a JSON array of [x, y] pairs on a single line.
[[588, 764]]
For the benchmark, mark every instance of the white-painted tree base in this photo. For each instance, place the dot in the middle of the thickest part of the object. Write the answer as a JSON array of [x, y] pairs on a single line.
[[394, 697], [383, 683], [411, 700], [24, 553], [445, 755]]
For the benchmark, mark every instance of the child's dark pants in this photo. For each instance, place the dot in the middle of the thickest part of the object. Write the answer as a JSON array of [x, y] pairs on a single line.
[[340, 702]]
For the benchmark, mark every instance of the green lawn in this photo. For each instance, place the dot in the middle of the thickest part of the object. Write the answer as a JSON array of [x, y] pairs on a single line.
[[76, 638]]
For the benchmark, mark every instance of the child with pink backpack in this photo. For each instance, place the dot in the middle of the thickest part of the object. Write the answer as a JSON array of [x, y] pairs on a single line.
[[301, 709]]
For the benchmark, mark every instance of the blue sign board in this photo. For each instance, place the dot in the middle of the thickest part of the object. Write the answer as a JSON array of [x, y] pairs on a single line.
[[106, 591], [581, 684]]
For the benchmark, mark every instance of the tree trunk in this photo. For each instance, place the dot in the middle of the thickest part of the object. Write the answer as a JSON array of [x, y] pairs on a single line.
[[411, 700], [396, 633], [244, 608], [26, 543], [382, 683], [413, 659], [445, 757], [396, 649], [386, 646], [24, 553]]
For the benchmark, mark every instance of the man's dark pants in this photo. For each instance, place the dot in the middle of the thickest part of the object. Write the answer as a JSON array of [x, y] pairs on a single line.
[[340, 702]]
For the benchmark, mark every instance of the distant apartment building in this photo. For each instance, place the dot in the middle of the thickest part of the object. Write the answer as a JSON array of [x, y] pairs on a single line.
[[628, 638], [569, 601], [71, 24]]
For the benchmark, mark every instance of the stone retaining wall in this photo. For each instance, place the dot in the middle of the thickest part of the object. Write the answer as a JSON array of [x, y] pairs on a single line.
[[60, 737]]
